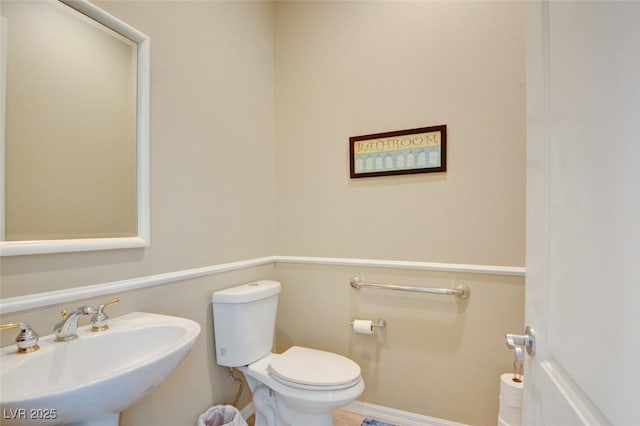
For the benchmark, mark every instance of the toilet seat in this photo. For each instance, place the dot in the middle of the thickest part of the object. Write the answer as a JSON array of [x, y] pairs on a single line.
[[306, 368]]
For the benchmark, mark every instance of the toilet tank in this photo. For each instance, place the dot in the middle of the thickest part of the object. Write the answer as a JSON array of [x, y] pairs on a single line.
[[244, 320]]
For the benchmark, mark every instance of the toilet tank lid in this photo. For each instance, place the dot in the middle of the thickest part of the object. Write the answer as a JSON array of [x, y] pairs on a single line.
[[247, 292]]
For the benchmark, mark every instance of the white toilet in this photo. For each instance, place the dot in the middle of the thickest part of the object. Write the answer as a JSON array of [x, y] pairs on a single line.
[[300, 387]]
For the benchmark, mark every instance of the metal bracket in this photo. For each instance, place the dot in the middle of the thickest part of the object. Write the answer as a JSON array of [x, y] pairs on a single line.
[[525, 341]]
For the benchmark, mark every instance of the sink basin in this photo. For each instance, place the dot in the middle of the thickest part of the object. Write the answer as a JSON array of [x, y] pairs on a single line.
[[89, 380]]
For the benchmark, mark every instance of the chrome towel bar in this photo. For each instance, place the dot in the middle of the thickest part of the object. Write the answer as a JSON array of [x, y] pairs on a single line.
[[461, 291]]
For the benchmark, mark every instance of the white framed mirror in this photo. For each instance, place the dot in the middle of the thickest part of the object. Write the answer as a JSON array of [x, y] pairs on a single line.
[[74, 129]]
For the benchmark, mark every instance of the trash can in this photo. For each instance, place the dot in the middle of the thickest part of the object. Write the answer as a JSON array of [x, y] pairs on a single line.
[[221, 415]]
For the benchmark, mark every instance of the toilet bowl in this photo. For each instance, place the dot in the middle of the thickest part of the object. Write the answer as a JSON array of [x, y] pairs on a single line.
[[304, 396], [301, 386]]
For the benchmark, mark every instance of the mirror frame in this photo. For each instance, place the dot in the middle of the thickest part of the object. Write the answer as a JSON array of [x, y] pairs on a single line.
[[14, 248]]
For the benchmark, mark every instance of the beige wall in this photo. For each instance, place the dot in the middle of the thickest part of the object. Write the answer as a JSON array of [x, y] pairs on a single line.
[[212, 148], [198, 382], [212, 189], [249, 147], [351, 68], [437, 356]]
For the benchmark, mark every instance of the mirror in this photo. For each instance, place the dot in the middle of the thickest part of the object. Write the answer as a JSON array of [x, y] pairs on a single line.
[[74, 130]]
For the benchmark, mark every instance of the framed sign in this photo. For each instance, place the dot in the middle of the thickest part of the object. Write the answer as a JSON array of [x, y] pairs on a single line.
[[422, 150]]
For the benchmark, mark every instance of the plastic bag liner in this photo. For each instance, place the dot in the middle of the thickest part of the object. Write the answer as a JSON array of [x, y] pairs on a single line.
[[221, 415]]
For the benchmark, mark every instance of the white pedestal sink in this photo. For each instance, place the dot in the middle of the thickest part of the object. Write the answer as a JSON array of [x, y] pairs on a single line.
[[89, 380]]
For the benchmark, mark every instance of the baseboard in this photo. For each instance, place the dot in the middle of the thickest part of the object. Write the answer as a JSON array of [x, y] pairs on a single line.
[[248, 410], [399, 417], [403, 418]]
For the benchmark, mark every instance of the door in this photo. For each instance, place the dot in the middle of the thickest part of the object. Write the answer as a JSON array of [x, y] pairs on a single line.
[[583, 213]]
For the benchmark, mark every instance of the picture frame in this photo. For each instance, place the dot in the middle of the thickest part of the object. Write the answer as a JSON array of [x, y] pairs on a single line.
[[420, 150]]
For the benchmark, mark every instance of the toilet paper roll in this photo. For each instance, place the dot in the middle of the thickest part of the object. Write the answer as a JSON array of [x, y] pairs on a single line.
[[511, 415], [363, 326], [511, 390], [510, 400]]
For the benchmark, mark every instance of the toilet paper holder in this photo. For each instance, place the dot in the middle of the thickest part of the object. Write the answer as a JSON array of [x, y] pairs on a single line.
[[380, 324], [521, 342]]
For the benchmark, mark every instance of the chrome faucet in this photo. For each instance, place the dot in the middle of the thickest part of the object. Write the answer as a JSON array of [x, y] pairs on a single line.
[[67, 328]]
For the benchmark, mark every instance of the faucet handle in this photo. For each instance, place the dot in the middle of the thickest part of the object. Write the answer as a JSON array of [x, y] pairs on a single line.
[[27, 339], [99, 321], [83, 310]]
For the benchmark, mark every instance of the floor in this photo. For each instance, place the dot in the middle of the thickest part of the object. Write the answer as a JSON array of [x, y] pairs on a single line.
[[345, 418]]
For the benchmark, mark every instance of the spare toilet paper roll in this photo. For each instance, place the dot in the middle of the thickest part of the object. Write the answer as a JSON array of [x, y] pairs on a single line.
[[511, 390], [363, 326], [512, 416], [510, 401]]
